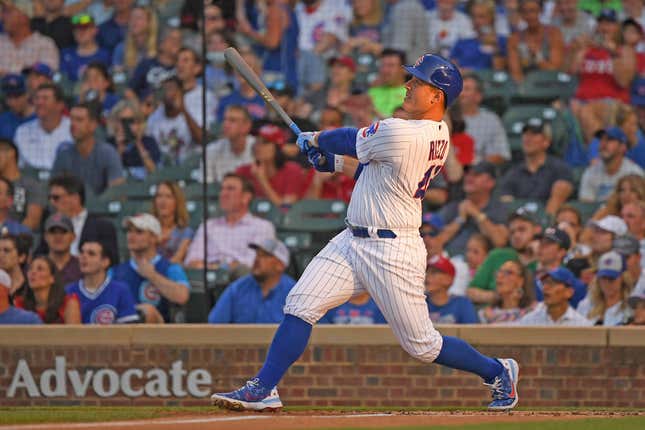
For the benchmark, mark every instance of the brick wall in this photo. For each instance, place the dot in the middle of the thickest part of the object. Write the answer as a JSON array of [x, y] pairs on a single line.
[[346, 367]]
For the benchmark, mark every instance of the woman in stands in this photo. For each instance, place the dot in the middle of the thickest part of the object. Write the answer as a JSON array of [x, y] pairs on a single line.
[[169, 207], [46, 296], [630, 189], [515, 294], [14, 257], [141, 39]]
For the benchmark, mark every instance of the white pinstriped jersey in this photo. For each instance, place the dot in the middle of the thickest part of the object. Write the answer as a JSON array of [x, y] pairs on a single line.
[[403, 156]]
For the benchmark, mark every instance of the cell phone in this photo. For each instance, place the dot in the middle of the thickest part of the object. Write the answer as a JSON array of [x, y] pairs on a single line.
[[127, 130]]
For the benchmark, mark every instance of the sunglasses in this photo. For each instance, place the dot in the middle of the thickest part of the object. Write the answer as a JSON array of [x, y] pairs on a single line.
[[82, 20]]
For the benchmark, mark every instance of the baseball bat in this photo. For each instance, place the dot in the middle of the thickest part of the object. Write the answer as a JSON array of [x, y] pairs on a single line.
[[237, 62]]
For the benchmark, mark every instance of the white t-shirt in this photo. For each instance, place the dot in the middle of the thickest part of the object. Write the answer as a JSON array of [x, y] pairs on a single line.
[[540, 316], [445, 33], [220, 159], [37, 147], [596, 185], [193, 103], [172, 134], [332, 16], [614, 315]]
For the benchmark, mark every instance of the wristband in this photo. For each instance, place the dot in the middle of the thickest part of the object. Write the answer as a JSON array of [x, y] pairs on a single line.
[[339, 163]]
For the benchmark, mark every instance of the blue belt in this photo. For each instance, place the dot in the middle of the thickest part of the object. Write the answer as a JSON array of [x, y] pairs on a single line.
[[381, 233]]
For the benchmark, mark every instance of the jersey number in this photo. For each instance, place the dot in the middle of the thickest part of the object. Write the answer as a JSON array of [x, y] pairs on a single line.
[[423, 184]]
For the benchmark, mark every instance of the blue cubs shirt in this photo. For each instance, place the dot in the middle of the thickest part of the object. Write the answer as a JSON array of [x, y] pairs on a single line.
[[142, 290], [350, 313], [458, 310], [242, 302], [110, 303], [73, 65]]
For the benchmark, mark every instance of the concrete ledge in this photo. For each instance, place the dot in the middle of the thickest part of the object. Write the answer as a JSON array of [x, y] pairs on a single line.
[[626, 336], [566, 336]]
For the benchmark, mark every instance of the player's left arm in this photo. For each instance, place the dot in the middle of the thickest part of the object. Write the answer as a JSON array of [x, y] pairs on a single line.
[[341, 141]]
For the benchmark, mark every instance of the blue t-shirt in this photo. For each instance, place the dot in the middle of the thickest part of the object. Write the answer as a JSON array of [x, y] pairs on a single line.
[[470, 54], [72, 64], [255, 105], [111, 34], [142, 290], [349, 313], [242, 302], [458, 310], [14, 227], [111, 303], [149, 74], [636, 154], [9, 122], [19, 316]]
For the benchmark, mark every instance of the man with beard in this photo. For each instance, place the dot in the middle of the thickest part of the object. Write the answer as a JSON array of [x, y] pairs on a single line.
[[257, 298]]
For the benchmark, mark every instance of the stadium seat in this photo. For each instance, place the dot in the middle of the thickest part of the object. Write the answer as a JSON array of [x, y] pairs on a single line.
[[195, 210], [545, 86], [216, 281], [536, 207], [180, 173], [586, 209], [263, 208], [315, 216], [195, 190], [514, 120], [498, 88]]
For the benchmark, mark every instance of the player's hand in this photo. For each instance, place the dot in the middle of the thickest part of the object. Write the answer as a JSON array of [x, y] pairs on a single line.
[[306, 141], [321, 160]]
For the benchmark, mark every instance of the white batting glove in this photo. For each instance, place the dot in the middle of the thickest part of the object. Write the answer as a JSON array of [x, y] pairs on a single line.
[[306, 141]]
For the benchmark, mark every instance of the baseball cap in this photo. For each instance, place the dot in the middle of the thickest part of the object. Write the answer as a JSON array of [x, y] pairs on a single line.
[[273, 133], [612, 224], [433, 220], [607, 15], [632, 22], [626, 245], [558, 236], [345, 61], [442, 264], [537, 125], [82, 20], [24, 6], [615, 133], [145, 222], [273, 247], [13, 85], [610, 265], [5, 280], [60, 221], [562, 275], [638, 92], [484, 167], [526, 214], [39, 68]]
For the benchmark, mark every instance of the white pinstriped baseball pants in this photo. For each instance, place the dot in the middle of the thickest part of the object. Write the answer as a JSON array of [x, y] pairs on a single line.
[[391, 270]]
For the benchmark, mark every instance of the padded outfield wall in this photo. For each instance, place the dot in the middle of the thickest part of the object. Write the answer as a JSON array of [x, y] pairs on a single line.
[[343, 366]]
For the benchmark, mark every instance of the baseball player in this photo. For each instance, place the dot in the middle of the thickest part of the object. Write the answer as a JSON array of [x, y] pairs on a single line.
[[381, 250]]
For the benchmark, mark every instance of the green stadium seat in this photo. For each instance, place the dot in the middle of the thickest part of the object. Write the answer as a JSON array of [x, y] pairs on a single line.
[[498, 88], [263, 208], [514, 120], [533, 206], [315, 216], [195, 210], [195, 190], [586, 209], [180, 173], [545, 86], [296, 240]]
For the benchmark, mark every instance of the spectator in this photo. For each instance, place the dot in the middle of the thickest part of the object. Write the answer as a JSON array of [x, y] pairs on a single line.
[[20, 46], [358, 310], [478, 212], [257, 298], [629, 248], [172, 126], [8, 313], [37, 75], [169, 207], [54, 23], [103, 300], [86, 49], [97, 164], [629, 189], [413, 38], [559, 287], [462, 143], [388, 89], [230, 234], [140, 40], [272, 176], [637, 303], [447, 25], [554, 246], [7, 223], [574, 23], [218, 74], [139, 153], [150, 73], [189, 67], [14, 257], [215, 22], [524, 228], [515, 294], [38, 140], [603, 233], [244, 94], [28, 195], [59, 235], [96, 87], [599, 179], [113, 31], [443, 307], [483, 125], [634, 216], [67, 196], [541, 177], [485, 49], [323, 25], [155, 283], [606, 303], [46, 296], [19, 109], [569, 219], [605, 69], [537, 47], [234, 148], [477, 249]]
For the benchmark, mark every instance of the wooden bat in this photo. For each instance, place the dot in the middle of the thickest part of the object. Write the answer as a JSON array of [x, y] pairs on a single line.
[[237, 62]]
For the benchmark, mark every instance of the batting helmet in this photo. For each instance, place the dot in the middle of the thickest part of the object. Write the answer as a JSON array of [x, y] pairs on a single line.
[[440, 73]]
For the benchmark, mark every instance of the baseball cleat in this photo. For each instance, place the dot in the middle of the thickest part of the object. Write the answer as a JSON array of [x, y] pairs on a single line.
[[504, 387], [251, 397]]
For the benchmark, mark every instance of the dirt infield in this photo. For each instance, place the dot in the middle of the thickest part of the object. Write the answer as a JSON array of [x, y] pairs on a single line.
[[308, 420]]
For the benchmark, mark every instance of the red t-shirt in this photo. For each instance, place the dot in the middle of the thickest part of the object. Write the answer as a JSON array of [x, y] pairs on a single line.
[[339, 188], [464, 148], [289, 180], [596, 79], [19, 302]]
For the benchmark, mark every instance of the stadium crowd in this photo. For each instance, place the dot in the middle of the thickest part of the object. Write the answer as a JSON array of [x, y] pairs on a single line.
[[538, 217]]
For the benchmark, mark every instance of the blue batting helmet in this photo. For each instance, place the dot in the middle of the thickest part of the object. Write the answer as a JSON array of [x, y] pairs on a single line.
[[440, 73]]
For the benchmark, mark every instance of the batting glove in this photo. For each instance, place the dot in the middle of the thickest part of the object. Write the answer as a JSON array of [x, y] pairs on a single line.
[[324, 161], [305, 141]]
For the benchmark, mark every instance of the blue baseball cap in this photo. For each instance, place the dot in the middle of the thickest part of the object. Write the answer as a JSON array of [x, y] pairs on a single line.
[[40, 68], [13, 85], [615, 133], [433, 220], [563, 275], [607, 15], [610, 265]]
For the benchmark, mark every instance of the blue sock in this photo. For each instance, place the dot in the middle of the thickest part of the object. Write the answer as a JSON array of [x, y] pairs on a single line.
[[458, 354], [288, 345]]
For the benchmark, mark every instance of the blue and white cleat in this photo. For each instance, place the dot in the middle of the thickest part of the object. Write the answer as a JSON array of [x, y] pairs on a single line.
[[251, 397], [504, 387]]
